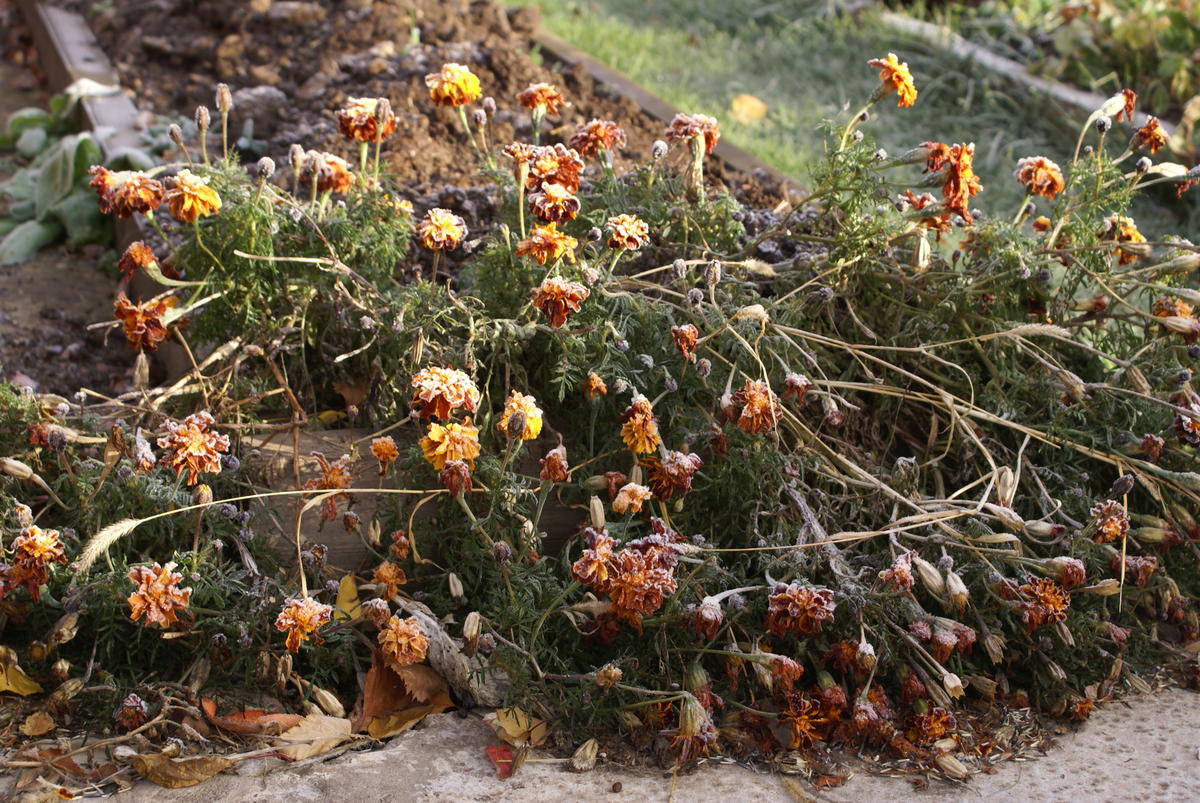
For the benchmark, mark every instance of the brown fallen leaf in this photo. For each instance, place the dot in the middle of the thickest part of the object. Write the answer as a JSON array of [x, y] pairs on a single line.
[[177, 773], [13, 678], [316, 734], [250, 721], [518, 728], [38, 723], [421, 681], [400, 721]]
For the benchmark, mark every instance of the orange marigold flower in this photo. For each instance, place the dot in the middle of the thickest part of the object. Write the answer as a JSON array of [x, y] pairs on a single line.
[[672, 474], [640, 427], [403, 642], [684, 127], [1130, 105], [1043, 602], [640, 582], [385, 452], [929, 727], [441, 391], [685, 338], [755, 407], [137, 255], [34, 549], [799, 609], [521, 152], [555, 164], [543, 96], [594, 386], [448, 442], [1150, 136], [143, 323], [547, 244], [391, 577], [554, 465], [597, 135], [630, 498], [593, 566], [358, 119], [895, 77], [1138, 568], [1171, 307], [961, 184], [334, 476], [518, 404], [899, 574], [190, 197], [1123, 229], [628, 232], [331, 173], [556, 299], [400, 544], [1109, 521], [1039, 176], [1041, 224], [192, 446], [126, 192], [554, 204], [455, 85], [441, 230], [301, 618], [939, 223], [805, 720], [157, 595]]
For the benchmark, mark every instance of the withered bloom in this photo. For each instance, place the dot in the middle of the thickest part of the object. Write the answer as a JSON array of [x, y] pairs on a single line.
[[1042, 601], [1130, 106], [456, 478], [1151, 447], [555, 164], [671, 474], [143, 456], [124, 193], [685, 338], [547, 244], [592, 567], [554, 204], [358, 120], [683, 127], [755, 407], [639, 429], [301, 618], [704, 619], [1123, 229], [143, 323], [438, 392], [931, 726], [1150, 136], [385, 452], [796, 386], [403, 642], [137, 255], [1138, 568], [131, 714], [630, 498], [895, 77], [34, 549], [597, 135], [1069, 572], [441, 230], [1187, 427], [899, 574], [527, 407], [1039, 176], [1109, 521], [640, 582], [157, 595], [554, 465], [799, 609], [455, 85], [335, 476], [190, 198], [627, 232], [938, 223], [449, 442], [331, 173], [1171, 307], [391, 577], [556, 299], [543, 97], [960, 183], [191, 446], [593, 386]]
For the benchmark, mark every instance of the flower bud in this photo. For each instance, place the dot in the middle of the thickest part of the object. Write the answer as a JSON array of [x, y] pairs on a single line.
[[456, 477], [351, 521], [501, 552], [960, 595], [1104, 588], [658, 150], [328, 702], [866, 656], [60, 670], [176, 134], [712, 273], [24, 515], [202, 495], [1143, 165], [376, 611], [1104, 124], [489, 105], [596, 510], [456, 587], [264, 168], [931, 578], [224, 98], [203, 118], [479, 117]]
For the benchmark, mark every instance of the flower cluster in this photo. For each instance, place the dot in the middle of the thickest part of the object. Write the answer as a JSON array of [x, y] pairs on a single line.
[[959, 184], [637, 579], [125, 193]]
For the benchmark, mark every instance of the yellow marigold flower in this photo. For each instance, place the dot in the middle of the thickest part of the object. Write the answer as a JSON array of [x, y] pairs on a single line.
[[455, 85], [441, 391], [450, 442], [391, 577], [799, 609], [755, 407], [684, 127], [555, 164], [526, 407], [331, 173], [685, 338], [334, 476], [403, 642], [190, 197], [554, 204], [556, 299], [672, 474], [301, 618], [1039, 176], [630, 498], [597, 135], [157, 595], [358, 119], [441, 230], [1170, 307], [554, 465], [640, 428], [385, 452], [1109, 522], [137, 255], [1122, 229], [34, 549], [545, 96], [547, 244], [628, 232], [143, 323], [594, 386], [895, 77], [191, 446], [1044, 602], [126, 192], [1150, 136]]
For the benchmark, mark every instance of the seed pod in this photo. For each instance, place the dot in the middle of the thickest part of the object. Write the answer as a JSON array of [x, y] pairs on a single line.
[[596, 509], [960, 595], [37, 650], [712, 273], [60, 670], [374, 533], [479, 117], [866, 656], [1064, 634], [1006, 486], [328, 702], [952, 684], [63, 631], [994, 644], [931, 578], [456, 587], [607, 676], [24, 515], [472, 625], [658, 150], [224, 98], [203, 118], [1143, 165], [489, 105], [1104, 124], [952, 766], [1104, 588], [176, 134], [983, 684], [264, 168], [15, 469]]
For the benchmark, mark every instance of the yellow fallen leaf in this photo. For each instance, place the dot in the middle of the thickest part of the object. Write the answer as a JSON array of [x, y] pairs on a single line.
[[347, 606], [38, 723], [12, 678], [747, 109], [316, 734], [385, 727], [177, 773], [517, 727]]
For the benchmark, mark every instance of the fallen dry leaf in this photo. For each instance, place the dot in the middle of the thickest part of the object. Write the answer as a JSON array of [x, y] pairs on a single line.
[[421, 681], [177, 773], [517, 727], [251, 721], [747, 109], [38, 723], [13, 678], [316, 734], [386, 727]]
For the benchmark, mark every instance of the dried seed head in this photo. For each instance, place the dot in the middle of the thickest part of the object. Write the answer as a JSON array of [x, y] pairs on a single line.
[[712, 273], [203, 118], [658, 150], [224, 98], [957, 589], [296, 158], [1143, 165], [952, 684], [584, 757], [857, 136], [679, 268], [479, 117], [501, 552], [489, 106], [175, 133], [1104, 124], [596, 511], [264, 168], [607, 676], [703, 367], [456, 587], [328, 702], [931, 578]]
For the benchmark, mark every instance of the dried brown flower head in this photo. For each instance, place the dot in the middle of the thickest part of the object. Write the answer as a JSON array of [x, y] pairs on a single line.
[[899, 574], [331, 173], [403, 642], [1123, 229], [755, 407], [639, 429], [131, 714], [1042, 601], [939, 223], [927, 728], [124, 193], [192, 446], [143, 323], [335, 476], [456, 478], [34, 549], [592, 567], [683, 127], [157, 595], [554, 465], [400, 544], [1069, 572], [1130, 105], [137, 255], [1039, 176], [640, 581], [671, 474], [1138, 568], [557, 298], [455, 85], [359, 120], [1187, 427], [895, 77], [449, 442], [593, 386], [799, 609], [554, 203], [630, 498], [1171, 307], [805, 719], [518, 403], [547, 244], [385, 452], [1150, 136], [541, 96], [301, 618], [685, 338], [438, 392], [1109, 521], [190, 198], [705, 619], [391, 577], [796, 386], [441, 230], [627, 232], [597, 135]]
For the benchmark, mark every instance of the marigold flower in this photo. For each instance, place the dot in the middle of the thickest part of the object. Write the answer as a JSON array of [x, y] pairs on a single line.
[[334, 476], [630, 498], [449, 442], [556, 299], [685, 338], [34, 549], [640, 582], [1043, 602], [961, 183], [1122, 229], [640, 427], [192, 446], [190, 197], [1109, 521], [594, 386], [331, 173], [796, 386], [1171, 307], [522, 153], [705, 619], [403, 642], [526, 406], [143, 323], [456, 478], [628, 232], [1151, 447], [391, 577], [455, 85], [157, 595], [597, 135], [441, 391], [1039, 176], [1187, 427], [143, 456], [543, 96], [799, 609], [935, 724], [554, 465], [301, 618], [385, 452], [683, 127], [1069, 572], [895, 77], [441, 230], [131, 714], [805, 720], [1150, 136], [137, 255], [124, 193], [555, 164], [672, 474], [755, 407], [400, 544], [939, 223], [547, 244], [899, 574], [358, 119], [592, 567], [1138, 568], [1130, 105], [1041, 224], [554, 204]]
